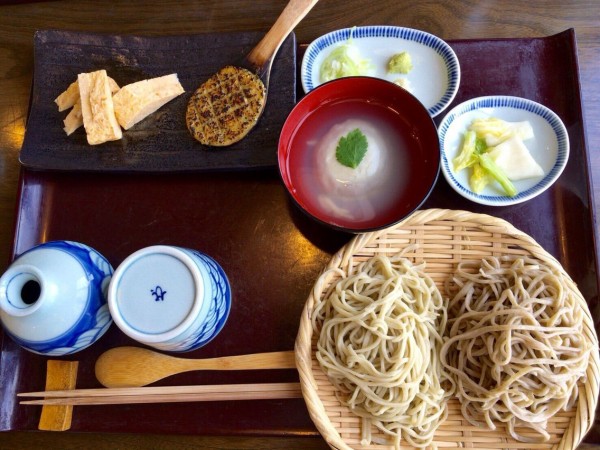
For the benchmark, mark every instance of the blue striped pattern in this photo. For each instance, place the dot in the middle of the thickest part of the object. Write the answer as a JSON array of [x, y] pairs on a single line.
[[386, 31], [508, 102], [219, 308]]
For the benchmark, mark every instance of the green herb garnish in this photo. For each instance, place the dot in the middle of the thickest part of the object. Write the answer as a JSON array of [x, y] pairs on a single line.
[[351, 149]]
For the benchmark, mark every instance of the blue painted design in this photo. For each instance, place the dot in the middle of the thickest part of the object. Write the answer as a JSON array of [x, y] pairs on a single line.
[[219, 308], [517, 103], [95, 319], [385, 31], [159, 294]]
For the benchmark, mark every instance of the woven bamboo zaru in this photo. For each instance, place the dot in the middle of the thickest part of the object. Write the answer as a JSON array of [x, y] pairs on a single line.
[[441, 239]]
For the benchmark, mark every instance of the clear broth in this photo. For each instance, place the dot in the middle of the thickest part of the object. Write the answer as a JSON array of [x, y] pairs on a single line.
[[371, 202]]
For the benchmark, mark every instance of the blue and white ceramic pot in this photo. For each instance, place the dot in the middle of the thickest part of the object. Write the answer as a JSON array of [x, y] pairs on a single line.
[[53, 298], [170, 298]]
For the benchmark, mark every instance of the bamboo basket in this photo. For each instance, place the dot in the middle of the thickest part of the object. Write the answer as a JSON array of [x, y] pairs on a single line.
[[441, 239]]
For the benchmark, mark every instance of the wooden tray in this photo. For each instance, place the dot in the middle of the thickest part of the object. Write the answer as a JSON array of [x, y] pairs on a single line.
[[273, 252], [442, 239]]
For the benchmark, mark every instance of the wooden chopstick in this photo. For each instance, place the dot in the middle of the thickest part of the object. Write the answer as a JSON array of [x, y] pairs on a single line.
[[158, 390], [167, 398], [165, 394]]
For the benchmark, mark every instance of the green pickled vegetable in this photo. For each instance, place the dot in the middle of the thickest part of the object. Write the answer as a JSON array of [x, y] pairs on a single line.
[[467, 156], [344, 61], [479, 178], [480, 146], [473, 154], [491, 125], [488, 164]]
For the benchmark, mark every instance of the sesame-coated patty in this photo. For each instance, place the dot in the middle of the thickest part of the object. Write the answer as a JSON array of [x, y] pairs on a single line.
[[226, 107]]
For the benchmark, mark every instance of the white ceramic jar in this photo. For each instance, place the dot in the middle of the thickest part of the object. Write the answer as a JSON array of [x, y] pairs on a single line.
[[170, 298], [53, 298]]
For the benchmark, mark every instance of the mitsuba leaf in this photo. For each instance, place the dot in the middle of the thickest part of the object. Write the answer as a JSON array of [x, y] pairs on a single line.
[[351, 149]]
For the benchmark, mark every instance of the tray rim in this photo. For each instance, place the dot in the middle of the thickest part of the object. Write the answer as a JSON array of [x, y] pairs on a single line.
[[568, 34]]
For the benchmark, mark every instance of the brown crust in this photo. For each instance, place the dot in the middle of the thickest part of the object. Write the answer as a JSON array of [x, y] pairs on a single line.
[[226, 107]]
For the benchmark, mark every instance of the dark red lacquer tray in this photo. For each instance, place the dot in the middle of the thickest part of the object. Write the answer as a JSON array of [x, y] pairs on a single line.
[[272, 252]]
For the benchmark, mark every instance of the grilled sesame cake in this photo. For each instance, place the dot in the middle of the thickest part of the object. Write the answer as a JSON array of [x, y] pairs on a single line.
[[226, 107]]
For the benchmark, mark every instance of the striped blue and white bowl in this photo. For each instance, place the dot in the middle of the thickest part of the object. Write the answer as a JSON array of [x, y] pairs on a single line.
[[435, 76], [170, 298], [549, 147]]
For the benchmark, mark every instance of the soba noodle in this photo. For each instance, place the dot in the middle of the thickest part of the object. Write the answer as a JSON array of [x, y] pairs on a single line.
[[379, 343], [515, 349]]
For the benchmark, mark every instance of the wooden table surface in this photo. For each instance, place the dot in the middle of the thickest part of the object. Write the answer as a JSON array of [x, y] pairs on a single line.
[[458, 19]]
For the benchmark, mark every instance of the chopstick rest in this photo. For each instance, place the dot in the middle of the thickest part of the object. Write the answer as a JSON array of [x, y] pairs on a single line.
[[61, 376], [165, 394]]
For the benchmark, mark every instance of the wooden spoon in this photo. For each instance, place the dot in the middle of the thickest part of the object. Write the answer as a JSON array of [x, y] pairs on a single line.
[[261, 56], [134, 366], [228, 105]]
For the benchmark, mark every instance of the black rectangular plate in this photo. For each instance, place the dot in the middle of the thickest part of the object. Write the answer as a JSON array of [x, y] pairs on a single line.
[[161, 142]]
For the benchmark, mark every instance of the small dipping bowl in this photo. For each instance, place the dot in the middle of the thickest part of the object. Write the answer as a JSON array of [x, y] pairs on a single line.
[[394, 178], [170, 298]]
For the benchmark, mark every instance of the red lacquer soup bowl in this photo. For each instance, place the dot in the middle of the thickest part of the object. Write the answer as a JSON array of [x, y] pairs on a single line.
[[359, 154]]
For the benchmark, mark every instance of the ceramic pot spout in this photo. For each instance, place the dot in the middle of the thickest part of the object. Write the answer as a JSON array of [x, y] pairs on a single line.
[[22, 290]]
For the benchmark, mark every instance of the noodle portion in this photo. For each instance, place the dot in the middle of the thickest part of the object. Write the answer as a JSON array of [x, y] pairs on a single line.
[[515, 348], [380, 336]]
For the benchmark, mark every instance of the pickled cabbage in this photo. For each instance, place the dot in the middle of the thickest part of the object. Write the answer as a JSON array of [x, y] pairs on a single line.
[[494, 151], [344, 61]]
